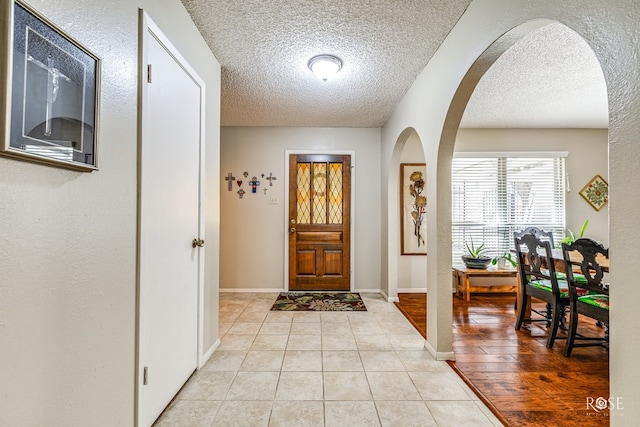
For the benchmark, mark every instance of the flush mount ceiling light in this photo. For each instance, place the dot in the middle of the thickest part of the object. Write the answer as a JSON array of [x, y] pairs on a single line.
[[325, 67]]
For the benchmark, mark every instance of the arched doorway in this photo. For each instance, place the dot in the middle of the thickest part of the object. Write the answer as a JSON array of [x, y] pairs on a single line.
[[544, 133], [406, 259], [439, 154], [538, 89], [426, 105]]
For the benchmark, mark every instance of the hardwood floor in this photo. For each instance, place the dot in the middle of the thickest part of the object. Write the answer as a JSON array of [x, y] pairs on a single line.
[[522, 381]]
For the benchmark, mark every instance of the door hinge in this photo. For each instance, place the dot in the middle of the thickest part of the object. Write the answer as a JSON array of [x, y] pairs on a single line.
[[148, 73], [145, 375]]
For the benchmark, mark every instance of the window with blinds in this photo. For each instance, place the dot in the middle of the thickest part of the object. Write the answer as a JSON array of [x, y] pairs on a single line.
[[494, 196]]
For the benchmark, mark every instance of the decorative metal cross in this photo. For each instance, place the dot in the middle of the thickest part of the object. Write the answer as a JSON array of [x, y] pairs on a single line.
[[254, 184], [271, 178], [230, 179], [240, 192]]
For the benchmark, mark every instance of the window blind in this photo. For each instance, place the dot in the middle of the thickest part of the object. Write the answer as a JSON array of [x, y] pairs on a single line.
[[494, 196]]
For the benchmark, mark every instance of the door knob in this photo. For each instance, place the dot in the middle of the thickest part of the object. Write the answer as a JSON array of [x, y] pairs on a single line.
[[293, 230], [197, 243]]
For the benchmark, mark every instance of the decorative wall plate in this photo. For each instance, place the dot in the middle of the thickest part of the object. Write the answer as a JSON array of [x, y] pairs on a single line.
[[596, 192]]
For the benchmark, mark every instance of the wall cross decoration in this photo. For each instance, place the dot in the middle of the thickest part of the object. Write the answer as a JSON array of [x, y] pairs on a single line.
[[254, 184], [240, 192], [229, 180], [271, 178]]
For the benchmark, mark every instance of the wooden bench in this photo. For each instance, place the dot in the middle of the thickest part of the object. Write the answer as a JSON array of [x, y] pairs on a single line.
[[462, 282]]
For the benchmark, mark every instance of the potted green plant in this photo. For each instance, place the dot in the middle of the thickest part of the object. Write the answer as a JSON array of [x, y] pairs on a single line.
[[502, 260], [476, 257], [572, 237]]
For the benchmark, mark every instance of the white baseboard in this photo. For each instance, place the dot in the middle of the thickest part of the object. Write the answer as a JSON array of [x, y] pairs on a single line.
[[247, 290], [368, 291], [268, 290], [448, 355], [412, 290], [387, 298]]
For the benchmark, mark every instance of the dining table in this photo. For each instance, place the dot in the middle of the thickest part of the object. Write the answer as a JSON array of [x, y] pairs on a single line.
[[576, 259]]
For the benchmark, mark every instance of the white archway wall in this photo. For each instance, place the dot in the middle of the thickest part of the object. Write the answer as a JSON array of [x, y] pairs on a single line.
[[391, 217], [611, 29], [412, 269], [403, 273]]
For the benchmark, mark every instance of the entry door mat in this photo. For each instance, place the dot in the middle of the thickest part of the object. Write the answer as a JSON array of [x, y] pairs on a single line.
[[319, 301]]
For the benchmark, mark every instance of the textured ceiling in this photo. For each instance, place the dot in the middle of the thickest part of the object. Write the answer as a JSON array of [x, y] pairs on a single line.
[[550, 78], [264, 46]]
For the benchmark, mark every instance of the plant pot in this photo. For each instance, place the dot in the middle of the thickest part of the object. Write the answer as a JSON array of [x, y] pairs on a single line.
[[477, 263]]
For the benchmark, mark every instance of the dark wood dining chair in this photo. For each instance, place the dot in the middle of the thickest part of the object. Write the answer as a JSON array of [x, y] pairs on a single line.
[[588, 296], [542, 235], [538, 279]]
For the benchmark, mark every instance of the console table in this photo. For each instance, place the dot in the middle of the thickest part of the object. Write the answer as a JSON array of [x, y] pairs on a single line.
[[461, 276]]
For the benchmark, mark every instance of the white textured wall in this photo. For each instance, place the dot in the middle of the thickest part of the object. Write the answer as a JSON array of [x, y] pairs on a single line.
[[68, 239], [611, 29], [588, 156], [253, 230]]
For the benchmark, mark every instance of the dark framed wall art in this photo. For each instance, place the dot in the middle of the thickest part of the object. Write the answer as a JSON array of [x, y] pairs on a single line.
[[413, 208], [49, 92]]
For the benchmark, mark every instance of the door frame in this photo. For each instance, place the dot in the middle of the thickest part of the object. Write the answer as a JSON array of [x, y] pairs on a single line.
[[148, 28], [286, 226]]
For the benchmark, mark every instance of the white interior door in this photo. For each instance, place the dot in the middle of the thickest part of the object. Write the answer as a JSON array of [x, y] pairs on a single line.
[[169, 222]]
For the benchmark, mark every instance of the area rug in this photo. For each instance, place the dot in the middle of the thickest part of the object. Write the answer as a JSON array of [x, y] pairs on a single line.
[[316, 301]]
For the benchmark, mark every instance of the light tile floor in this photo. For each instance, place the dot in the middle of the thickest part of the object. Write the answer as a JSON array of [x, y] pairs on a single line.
[[322, 369]]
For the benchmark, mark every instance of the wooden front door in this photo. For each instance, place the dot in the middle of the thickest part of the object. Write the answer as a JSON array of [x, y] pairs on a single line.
[[319, 222]]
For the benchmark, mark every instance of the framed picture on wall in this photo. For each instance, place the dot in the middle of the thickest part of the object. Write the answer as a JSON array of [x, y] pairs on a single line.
[[596, 192], [413, 208], [50, 94]]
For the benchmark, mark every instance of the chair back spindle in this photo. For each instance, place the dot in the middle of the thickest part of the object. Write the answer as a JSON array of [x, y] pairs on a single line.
[[540, 234]]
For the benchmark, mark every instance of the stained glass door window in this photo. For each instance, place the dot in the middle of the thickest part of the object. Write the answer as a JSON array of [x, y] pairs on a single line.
[[319, 193]]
